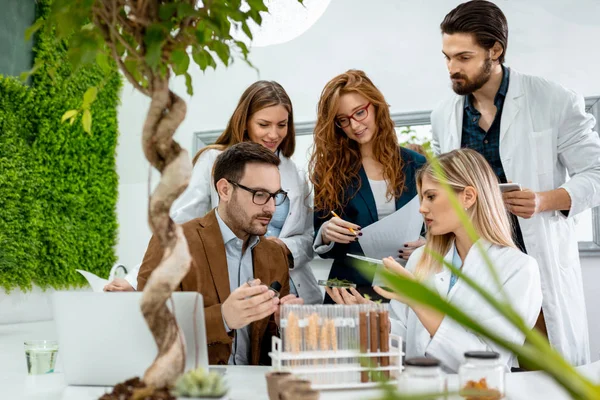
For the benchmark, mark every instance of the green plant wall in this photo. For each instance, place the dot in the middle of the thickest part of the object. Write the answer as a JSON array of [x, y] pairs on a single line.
[[58, 184]]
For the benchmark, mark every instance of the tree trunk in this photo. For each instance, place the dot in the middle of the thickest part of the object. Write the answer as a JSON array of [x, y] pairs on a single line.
[[166, 113]]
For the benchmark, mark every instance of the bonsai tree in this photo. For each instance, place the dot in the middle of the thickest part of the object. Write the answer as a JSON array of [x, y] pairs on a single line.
[[150, 41]]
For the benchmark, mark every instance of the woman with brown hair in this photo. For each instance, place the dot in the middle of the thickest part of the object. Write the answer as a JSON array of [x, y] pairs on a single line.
[[359, 172], [264, 115]]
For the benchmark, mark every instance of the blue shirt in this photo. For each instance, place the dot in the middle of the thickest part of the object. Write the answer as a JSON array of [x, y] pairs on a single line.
[[274, 229], [240, 268], [488, 143], [457, 263], [281, 213]]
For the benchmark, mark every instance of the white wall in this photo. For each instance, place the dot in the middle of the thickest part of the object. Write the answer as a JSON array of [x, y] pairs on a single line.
[[397, 42]]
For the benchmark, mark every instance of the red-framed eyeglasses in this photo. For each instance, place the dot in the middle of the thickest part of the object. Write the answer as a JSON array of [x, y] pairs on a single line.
[[358, 115]]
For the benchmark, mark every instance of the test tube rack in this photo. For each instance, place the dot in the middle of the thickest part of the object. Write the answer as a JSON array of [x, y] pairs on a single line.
[[337, 347]]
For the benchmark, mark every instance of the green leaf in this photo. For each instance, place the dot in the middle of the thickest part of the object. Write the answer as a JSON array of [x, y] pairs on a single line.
[[255, 15], [24, 75], [154, 40], [257, 5], [188, 84], [131, 65], [89, 97], [102, 61], [201, 57], [29, 32], [69, 114], [203, 33], [180, 61], [223, 24], [243, 48], [185, 10], [167, 11], [120, 47], [222, 51], [83, 47], [86, 121], [246, 30]]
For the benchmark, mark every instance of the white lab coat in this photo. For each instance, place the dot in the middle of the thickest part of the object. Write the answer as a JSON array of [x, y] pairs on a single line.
[[520, 279], [545, 133], [297, 231]]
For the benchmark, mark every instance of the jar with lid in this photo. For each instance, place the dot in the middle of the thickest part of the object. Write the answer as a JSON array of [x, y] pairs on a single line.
[[422, 375], [482, 376]]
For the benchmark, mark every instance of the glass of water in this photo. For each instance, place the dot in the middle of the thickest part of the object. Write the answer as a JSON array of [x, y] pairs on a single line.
[[41, 356]]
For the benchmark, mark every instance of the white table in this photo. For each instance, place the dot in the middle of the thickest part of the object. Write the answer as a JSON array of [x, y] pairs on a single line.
[[244, 382]]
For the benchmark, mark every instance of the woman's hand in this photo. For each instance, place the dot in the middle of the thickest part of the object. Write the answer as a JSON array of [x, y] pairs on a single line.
[[391, 265], [339, 231], [119, 285], [410, 247], [341, 296], [430, 318]]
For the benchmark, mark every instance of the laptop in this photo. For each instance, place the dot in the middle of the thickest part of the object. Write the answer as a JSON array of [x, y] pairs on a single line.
[[103, 338]]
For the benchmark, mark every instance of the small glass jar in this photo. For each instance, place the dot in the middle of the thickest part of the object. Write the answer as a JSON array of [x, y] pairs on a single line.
[[483, 372], [422, 375]]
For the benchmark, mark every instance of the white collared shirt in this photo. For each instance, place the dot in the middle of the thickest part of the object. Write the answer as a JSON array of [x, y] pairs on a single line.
[[240, 268]]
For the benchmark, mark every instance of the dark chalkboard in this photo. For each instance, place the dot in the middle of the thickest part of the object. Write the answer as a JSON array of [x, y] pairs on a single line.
[[15, 53]]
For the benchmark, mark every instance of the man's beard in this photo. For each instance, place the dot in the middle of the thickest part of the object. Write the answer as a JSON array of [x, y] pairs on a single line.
[[469, 86], [242, 221]]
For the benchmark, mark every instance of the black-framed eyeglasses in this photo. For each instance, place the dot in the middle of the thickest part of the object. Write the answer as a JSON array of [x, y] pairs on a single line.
[[261, 197], [358, 115]]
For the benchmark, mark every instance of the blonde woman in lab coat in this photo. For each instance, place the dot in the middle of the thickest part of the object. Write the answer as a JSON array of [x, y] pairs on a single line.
[[428, 332]]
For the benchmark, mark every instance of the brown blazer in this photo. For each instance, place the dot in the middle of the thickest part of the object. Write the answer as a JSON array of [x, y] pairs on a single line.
[[209, 276]]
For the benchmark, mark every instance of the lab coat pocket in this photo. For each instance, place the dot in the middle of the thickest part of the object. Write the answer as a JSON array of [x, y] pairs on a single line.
[[568, 252]]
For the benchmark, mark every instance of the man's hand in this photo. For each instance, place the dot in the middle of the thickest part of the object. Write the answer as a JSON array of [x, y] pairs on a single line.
[[119, 285], [289, 299], [279, 242], [248, 304], [522, 203]]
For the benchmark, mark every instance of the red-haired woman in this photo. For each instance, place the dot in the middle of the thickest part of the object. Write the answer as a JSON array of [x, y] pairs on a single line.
[[358, 171]]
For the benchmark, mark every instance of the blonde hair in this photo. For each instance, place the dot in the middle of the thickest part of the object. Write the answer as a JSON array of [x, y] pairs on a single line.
[[463, 168]]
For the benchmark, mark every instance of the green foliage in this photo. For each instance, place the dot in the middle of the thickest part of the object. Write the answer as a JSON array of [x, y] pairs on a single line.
[[409, 136], [58, 184], [200, 383]]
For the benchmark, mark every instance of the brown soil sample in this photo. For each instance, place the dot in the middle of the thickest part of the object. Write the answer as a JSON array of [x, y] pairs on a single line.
[[384, 339], [135, 389], [364, 337]]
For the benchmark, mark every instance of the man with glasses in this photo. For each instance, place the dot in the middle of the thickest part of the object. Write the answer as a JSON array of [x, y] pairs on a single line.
[[231, 263]]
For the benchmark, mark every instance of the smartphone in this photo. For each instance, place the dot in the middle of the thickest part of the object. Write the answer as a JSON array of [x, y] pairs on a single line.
[[509, 187]]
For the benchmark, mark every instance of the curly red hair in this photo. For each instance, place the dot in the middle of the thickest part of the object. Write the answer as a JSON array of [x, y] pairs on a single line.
[[336, 160]]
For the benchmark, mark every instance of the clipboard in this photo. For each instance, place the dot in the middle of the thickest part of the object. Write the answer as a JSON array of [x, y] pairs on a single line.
[[367, 259]]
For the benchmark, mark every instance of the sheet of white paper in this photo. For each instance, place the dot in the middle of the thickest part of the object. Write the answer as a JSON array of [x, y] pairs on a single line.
[[384, 238], [97, 284]]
